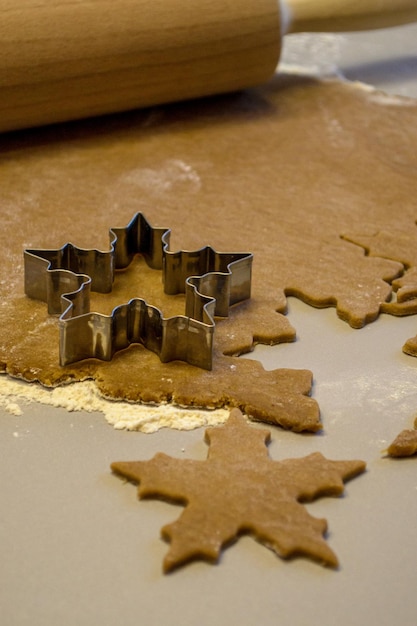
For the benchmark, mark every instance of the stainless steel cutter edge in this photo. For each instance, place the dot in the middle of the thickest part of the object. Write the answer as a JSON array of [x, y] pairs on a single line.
[[63, 278]]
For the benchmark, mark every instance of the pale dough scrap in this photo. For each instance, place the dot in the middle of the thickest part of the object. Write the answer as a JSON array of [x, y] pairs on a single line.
[[405, 444], [281, 171]]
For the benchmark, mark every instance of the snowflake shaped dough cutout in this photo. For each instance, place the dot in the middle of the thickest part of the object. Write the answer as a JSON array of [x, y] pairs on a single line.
[[238, 490]]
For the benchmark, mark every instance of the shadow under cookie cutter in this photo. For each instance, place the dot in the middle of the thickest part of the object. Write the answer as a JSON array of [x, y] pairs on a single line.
[[212, 282]]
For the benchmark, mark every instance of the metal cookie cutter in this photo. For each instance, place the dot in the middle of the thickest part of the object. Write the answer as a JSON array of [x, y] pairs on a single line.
[[212, 282]]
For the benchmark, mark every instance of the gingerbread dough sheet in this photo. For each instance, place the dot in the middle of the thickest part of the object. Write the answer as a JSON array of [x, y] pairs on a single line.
[[282, 171], [77, 546]]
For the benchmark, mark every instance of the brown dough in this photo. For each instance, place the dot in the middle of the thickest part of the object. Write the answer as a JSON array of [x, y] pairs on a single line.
[[239, 489], [405, 443], [282, 171]]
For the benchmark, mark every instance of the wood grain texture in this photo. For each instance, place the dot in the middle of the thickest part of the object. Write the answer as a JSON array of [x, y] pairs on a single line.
[[68, 59], [61, 60], [348, 15]]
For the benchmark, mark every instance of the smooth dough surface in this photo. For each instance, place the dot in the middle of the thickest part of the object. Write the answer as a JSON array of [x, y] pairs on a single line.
[[287, 171], [260, 496]]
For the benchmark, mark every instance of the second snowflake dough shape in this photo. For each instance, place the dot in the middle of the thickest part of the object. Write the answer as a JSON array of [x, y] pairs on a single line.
[[240, 489]]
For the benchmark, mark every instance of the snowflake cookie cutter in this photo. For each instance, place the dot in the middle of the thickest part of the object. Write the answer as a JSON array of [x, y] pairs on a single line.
[[211, 281]]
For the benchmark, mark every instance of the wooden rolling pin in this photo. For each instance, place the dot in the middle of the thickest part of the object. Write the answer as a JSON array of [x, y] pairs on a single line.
[[67, 59]]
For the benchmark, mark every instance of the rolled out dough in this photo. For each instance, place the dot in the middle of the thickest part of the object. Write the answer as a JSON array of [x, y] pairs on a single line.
[[282, 171]]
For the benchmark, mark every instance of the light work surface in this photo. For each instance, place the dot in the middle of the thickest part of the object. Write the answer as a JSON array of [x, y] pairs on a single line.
[[77, 547]]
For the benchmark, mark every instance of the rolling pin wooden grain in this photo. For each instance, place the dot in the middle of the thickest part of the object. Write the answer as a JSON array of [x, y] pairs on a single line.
[[67, 59]]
